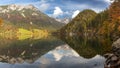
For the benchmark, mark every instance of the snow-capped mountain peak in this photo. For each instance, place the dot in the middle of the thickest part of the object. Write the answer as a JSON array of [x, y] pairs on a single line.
[[14, 7], [20, 7], [65, 20]]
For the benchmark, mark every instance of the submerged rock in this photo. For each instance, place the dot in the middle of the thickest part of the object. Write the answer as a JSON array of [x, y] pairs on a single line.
[[113, 59]]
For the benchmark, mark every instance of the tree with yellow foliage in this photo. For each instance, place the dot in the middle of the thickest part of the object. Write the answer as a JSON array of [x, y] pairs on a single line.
[[1, 21], [114, 11]]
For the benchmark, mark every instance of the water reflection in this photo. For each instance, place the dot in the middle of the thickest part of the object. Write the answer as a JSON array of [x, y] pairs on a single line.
[[89, 47], [14, 50], [50, 52], [61, 57]]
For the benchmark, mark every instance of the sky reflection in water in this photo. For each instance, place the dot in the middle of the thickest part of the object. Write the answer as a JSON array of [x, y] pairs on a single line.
[[62, 56]]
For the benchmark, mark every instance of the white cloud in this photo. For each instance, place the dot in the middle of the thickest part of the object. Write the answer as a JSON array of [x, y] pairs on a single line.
[[97, 10], [108, 1], [67, 12], [57, 12], [81, 6], [75, 13], [44, 6]]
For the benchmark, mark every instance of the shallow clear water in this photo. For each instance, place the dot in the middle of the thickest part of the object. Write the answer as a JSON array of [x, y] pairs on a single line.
[[50, 52]]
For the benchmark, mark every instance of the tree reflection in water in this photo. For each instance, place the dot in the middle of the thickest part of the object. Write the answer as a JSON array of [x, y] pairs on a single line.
[[88, 47]]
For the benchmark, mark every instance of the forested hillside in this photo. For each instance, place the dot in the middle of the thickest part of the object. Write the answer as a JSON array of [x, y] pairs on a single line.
[[89, 23], [80, 22]]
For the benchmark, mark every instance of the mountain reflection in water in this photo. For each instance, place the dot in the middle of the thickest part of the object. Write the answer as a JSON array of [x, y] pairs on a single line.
[[13, 50], [61, 57], [51, 52]]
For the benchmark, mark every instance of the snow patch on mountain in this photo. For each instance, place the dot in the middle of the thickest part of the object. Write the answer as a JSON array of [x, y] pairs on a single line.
[[14, 7], [65, 20], [34, 14], [23, 15]]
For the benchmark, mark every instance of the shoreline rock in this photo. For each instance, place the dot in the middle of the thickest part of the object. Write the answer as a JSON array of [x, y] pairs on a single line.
[[113, 59]]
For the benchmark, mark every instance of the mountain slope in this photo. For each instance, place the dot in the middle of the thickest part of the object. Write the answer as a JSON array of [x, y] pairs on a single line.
[[80, 22], [27, 16], [88, 23]]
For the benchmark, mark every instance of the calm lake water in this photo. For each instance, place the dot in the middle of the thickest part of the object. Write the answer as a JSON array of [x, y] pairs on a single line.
[[51, 52]]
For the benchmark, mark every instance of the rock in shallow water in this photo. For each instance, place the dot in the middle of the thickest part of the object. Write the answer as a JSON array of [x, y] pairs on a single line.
[[113, 59]]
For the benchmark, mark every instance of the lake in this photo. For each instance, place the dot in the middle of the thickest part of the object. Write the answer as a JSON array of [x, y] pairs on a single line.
[[52, 52]]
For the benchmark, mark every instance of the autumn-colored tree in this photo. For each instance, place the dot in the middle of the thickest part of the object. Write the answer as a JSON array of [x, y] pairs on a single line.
[[1, 21], [114, 19], [114, 11]]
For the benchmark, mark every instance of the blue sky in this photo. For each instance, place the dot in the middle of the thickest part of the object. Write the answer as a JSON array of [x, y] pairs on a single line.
[[62, 8]]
